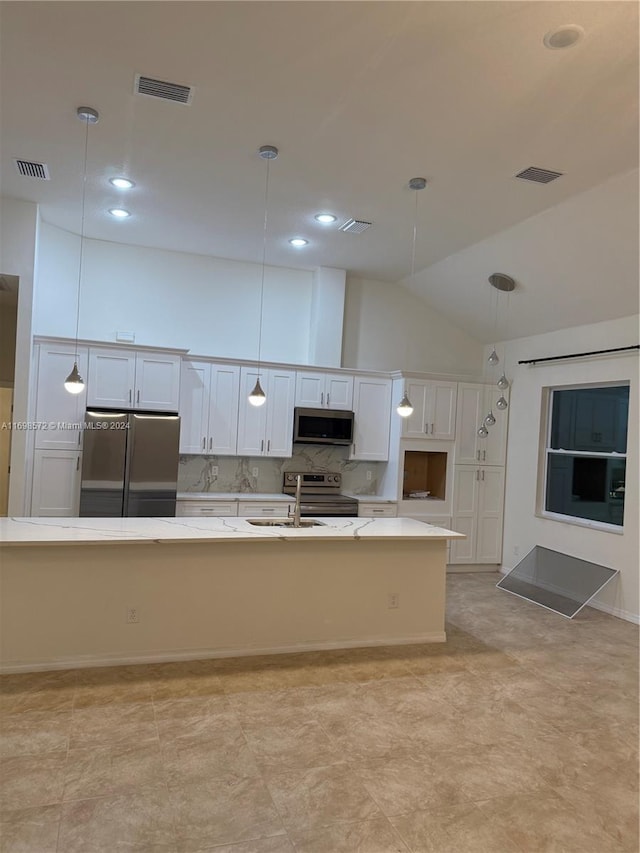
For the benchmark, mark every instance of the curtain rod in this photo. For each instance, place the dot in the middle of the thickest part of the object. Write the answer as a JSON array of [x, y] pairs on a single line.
[[579, 354]]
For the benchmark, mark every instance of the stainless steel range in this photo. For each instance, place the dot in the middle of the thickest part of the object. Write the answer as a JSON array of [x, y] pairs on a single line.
[[319, 494]]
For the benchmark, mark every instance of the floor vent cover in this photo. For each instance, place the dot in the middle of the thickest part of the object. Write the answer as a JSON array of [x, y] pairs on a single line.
[[30, 169], [355, 226], [538, 176], [161, 89]]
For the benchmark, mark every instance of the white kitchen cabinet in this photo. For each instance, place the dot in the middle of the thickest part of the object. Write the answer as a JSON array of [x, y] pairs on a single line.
[[377, 510], [55, 406], [266, 430], [474, 402], [209, 394], [56, 483], [372, 418], [133, 380], [209, 507], [316, 390], [264, 509], [434, 409], [478, 506]]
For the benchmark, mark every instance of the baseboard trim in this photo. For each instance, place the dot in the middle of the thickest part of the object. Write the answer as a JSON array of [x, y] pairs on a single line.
[[462, 568], [174, 656]]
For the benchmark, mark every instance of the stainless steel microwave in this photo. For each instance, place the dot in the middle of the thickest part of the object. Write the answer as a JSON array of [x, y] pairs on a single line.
[[322, 426]]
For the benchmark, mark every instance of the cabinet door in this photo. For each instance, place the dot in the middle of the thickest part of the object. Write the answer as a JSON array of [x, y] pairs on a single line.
[[251, 419], [194, 406], [54, 404], [465, 513], [417, 424], [376, 510], [339, 392], [310, 389], [56, 483], [494, 446], [469, 415], [442, 410], [111, 378], [372, 418], [490, 513], [255, 509], [279, 414], [157, 386], [223, 409]]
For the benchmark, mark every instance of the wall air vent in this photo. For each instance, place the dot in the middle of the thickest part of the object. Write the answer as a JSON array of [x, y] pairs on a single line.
[[161, 89], [355, 226], [538, 176], [33, 170]]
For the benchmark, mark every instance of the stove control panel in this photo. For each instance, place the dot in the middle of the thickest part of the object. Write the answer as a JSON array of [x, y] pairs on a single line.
[[312, 481]]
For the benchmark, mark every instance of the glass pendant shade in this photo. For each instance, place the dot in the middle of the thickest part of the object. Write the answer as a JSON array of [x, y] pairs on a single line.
[[490, 419], [404, 407], [493, 358], [483, 432], [257, 397], [503, 383], [74, 383], [501, 404]]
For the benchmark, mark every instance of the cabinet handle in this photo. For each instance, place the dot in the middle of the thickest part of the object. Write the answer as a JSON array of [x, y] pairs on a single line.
[[79, 437], [269, 446], [484, 455], [478, 455], [322, 398], [267, 509], [432, 425], [262, 445], [129, 396], [374, 511], [78, 464], [426, 428], [211, 443], [138, 398], [327, 398], [477, 473], [204, 443], [483, 474]]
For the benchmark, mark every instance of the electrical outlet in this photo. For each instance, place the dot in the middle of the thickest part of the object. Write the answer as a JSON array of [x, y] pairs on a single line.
[[368, 475], [393, 600], [516, 550], [214, 470], [255, 471], [132, 615]]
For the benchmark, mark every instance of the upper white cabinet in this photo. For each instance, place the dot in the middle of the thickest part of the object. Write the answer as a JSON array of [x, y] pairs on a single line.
[[133, 380], [315, 390], [434, 409], [372, 418], [55, 406], [478, 505], [209, 407], [474, 402], [266, 430]]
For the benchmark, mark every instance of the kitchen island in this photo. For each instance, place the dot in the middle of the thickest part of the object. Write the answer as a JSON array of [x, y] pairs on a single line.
[[87, 592]]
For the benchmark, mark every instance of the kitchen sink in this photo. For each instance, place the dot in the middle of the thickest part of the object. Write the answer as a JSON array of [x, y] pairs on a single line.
[[284, 522]]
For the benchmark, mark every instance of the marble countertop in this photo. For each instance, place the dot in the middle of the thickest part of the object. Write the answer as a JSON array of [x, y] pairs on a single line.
[[119, 531], [370, 499], [232, 496]]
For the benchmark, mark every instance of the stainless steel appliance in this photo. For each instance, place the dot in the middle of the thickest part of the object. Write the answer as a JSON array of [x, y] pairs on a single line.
[[129, 464], [319, 494], [322, 426]]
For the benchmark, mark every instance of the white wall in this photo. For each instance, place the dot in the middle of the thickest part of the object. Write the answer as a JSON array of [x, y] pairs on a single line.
[[171, 299], [19, 230], [522, 528], [386, 327]]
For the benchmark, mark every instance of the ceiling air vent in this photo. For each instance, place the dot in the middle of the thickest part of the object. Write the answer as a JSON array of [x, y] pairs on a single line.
[[162, 89], [538, 176], [33, 170], [355, 226]]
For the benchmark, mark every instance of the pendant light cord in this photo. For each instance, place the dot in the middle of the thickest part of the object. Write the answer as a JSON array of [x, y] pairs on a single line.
[[264, 255], [84, 193]]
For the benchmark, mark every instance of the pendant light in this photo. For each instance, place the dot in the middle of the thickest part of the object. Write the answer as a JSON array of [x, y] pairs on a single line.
[[267, 152], [404, 408], [74, 383], [503, 284]]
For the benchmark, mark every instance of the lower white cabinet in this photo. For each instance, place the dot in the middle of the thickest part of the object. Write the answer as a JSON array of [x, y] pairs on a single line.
[[478, 505], [264, 509], [201, 509], [56, 483], [377, 510], [371, 418]]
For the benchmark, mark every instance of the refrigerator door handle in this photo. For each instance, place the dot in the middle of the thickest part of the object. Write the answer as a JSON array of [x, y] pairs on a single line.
[[138, 398], [129, 396]]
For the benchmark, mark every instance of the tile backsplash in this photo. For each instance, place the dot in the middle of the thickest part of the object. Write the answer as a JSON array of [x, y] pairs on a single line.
[[235, 473]]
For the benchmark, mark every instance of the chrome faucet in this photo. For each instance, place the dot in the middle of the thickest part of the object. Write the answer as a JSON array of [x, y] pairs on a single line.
[[295, 515]]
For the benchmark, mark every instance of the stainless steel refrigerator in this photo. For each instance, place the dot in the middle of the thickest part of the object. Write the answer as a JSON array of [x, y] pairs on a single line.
[[129, 464]]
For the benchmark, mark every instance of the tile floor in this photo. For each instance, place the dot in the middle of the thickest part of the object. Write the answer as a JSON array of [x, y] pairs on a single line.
[[519, 734]]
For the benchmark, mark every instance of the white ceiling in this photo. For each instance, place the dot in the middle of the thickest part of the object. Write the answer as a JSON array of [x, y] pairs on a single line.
[[358, 96]]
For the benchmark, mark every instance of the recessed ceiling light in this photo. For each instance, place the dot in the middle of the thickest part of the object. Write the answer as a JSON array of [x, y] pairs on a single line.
[[325, 218], [298, 242], [561, 37], [122, 183], [119, 213]]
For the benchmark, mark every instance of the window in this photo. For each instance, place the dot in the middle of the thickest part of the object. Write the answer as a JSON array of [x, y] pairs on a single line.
[[586, 453]]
